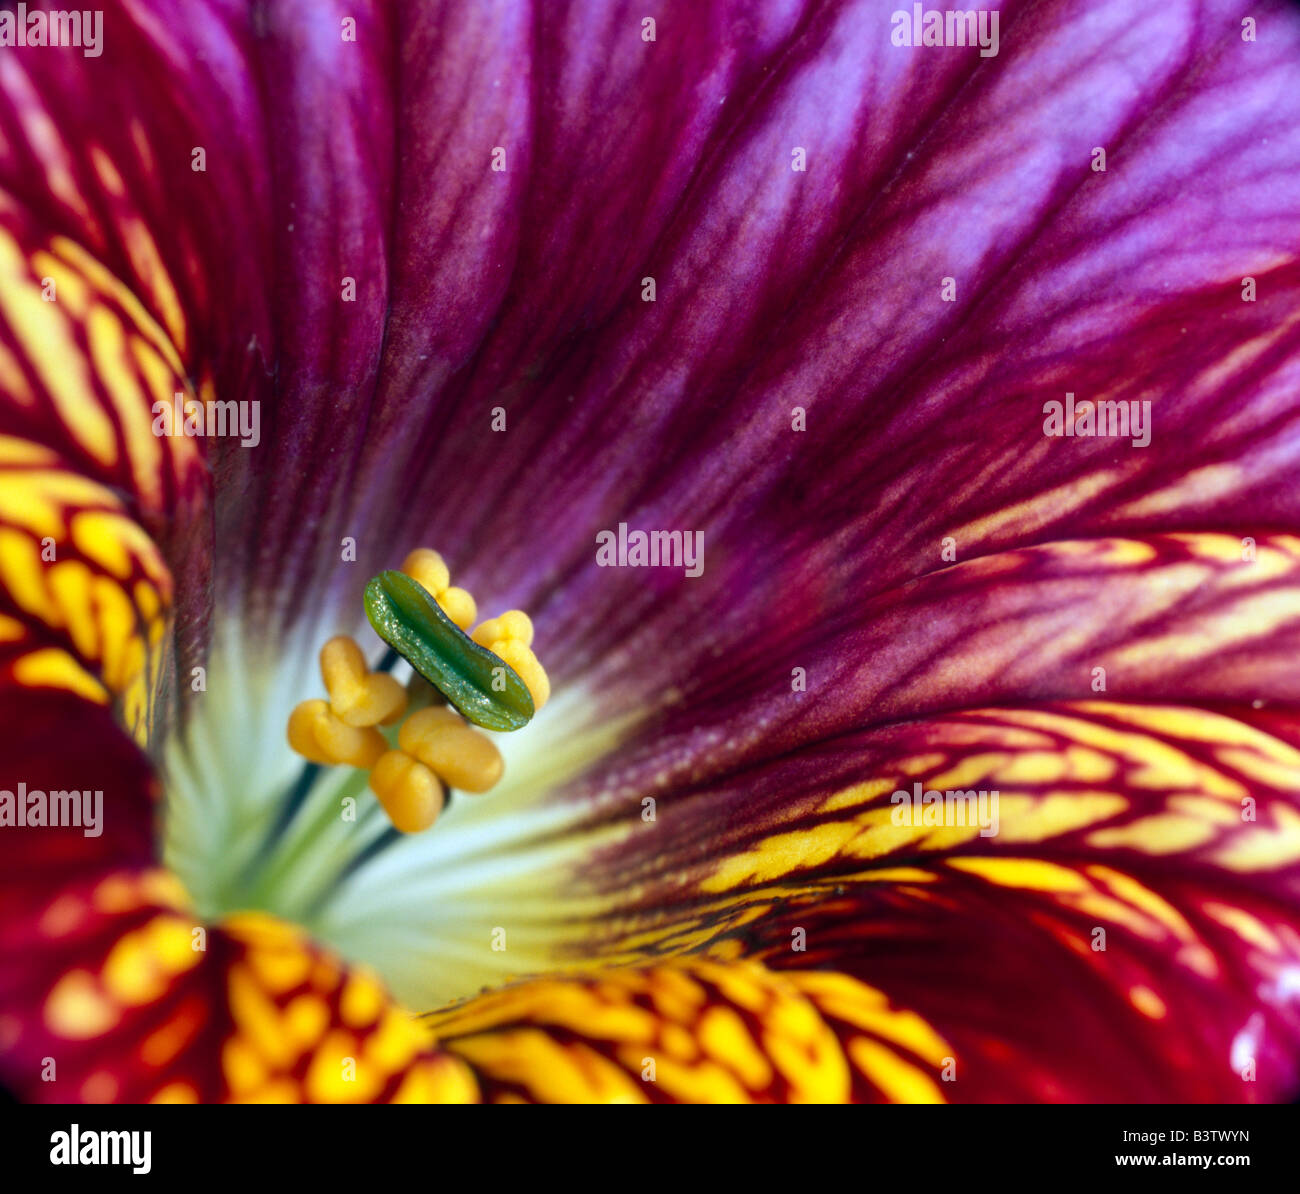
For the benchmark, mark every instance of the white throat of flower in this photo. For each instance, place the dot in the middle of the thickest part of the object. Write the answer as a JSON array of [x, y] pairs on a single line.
[[469, 903]]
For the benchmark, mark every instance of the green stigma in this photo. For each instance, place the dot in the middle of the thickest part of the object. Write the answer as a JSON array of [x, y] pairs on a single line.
[[478, 684]]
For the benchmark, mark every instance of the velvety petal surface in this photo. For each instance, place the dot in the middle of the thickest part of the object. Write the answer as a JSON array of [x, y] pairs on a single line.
[[1121, 925], [696, 1031], [114, 990], [1165, 573]]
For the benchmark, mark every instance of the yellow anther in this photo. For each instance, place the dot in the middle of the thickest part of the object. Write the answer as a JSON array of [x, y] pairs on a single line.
[[427, 721], [410, 793], [429, 569], [458, 754], [513, 624], [359, 696], [531, 672], [317, 734], [459, 606], [437, 749], [302, 731], [511, 637]]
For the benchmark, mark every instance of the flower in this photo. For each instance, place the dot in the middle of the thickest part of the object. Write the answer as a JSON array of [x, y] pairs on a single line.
[[501, 282]]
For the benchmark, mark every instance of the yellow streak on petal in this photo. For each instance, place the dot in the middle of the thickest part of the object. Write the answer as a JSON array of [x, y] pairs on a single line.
[[13, 381], [858, 794], [855, 1003], [258, 1019], [97, 535], [873, 833], [780, 854], [76, 1008], [1147, 1002], [701, 1082], [24, 503], [973, 768], [43, 334], [1163, 833], [163, 1045], [1034, 818], [35, 498], [894, 874], [1261, 848], [555, 1073], [1247, 927], [148, 264], [107, 172], [176, 1092], [397, 1040], [1214, 546], [1198, 725], [1160, 766], [1038, 511], [1144, 900], [362, 1000], [1205, 808], [52, 667], [124, 652], [1197, 487], [142, 963], [305, 1018], [242, 1067], [1253, 616], [1026, 874], [1284, 775], [23, 451], [69, 583], [105, 282], [1088, 766], [899, 1080], [920, 764], [70, 288], [147, 600], [1268, 565], [111, 361], [1119, 552], [161, 886], [117, 894], [43, 136], [438, 1080], [280, 970]]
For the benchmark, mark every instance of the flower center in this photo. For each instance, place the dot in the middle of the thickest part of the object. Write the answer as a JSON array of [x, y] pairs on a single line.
[[410, 740], [251, 824]]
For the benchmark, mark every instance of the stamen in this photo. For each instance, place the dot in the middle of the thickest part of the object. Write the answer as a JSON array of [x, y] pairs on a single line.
[[359, 696], [410, 793], [427, 567], [460, 756], [492, 678], [513, 624], [317, 734], [510, 637]]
